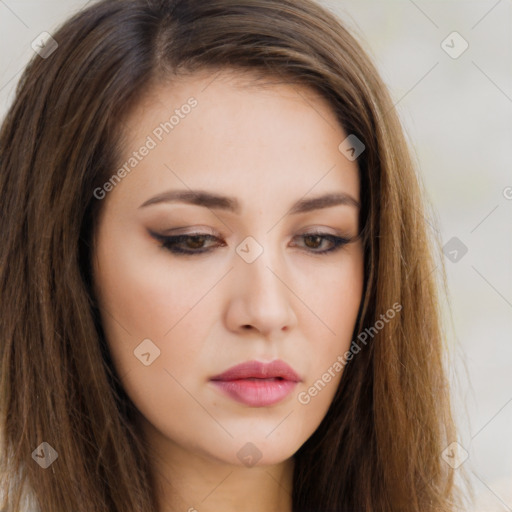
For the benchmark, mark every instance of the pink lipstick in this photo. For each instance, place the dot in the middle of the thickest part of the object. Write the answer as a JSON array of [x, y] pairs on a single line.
[[257, 384]]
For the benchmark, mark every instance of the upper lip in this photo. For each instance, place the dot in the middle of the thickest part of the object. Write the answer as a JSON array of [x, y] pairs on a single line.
[[259, 370]]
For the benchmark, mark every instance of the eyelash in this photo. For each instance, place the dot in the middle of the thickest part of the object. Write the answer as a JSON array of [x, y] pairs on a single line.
[[169, 242]]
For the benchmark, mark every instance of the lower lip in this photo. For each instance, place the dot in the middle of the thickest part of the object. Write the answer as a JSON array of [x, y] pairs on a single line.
[[256, 392]]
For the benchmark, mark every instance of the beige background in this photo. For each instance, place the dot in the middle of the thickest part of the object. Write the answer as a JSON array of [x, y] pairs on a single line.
[[458, 117]]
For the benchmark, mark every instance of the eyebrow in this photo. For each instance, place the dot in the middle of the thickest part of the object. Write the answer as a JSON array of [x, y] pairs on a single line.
[[231, 204]]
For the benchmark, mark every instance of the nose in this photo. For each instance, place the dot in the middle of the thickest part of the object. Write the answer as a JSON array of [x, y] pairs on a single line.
[[260, 297]]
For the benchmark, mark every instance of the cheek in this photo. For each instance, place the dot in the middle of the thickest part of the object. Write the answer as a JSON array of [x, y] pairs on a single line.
[[140, 299], [147, 309], [334, 301], [141, 293], [333, 293]]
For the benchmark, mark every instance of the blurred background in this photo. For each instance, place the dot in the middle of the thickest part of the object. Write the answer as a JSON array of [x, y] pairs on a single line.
[[448, 66]]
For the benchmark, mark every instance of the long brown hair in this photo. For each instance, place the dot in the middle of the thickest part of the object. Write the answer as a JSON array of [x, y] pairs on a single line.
[[379, 446]]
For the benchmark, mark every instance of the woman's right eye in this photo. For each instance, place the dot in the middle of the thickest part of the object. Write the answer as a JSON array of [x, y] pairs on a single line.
[[192, 243]]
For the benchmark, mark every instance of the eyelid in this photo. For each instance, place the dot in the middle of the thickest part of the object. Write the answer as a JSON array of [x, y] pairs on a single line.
[[320, 231], [187, 230]]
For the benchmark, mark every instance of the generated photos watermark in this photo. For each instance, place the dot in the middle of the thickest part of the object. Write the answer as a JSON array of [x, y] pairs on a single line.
[[304, 397], [152, 141]]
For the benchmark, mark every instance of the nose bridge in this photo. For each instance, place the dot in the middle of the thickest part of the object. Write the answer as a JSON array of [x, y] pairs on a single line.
[[254, 267], [260, 286]]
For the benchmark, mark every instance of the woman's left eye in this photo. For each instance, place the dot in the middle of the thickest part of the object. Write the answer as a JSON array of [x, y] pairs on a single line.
[[313, 240], [194, 243]]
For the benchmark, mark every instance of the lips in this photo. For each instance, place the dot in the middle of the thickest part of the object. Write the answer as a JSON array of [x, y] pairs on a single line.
[[257, 370], [257, 384]]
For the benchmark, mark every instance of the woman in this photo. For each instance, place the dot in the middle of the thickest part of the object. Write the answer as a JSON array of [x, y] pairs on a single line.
[[217, 283]]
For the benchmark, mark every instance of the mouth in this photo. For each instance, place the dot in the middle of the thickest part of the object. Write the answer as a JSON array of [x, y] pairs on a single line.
[[257, 384]]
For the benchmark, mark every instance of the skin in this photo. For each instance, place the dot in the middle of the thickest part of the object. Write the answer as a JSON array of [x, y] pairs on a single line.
[[267, 146]]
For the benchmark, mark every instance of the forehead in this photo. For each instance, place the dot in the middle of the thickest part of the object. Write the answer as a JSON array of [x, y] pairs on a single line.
[[248, 96], [251, 137]]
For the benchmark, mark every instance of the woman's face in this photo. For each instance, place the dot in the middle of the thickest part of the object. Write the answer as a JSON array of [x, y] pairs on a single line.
[[255, 282]]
